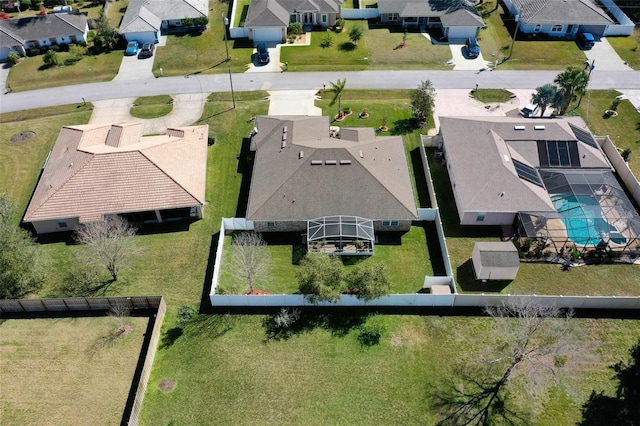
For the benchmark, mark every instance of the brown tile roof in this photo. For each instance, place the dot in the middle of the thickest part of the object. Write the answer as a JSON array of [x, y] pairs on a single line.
[[95, 170], [312, 175]]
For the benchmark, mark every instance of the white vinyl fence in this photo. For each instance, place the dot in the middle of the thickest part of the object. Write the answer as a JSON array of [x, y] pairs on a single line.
[[622, 168], [367, 13], [625, 26]]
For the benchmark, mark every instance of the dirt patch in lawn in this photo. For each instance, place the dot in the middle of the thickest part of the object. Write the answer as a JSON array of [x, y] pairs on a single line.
[[23, 137], [166, 385]]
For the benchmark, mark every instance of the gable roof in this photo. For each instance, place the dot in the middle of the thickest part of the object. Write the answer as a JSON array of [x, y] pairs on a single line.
[[582, 12], [275, 13], [96, 170], [312, 175], [450, 12], [147, 15], [481, 152], [21, 30]]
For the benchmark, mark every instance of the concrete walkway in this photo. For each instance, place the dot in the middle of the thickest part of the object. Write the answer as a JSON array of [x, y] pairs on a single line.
[[187, 109], [293, 102]]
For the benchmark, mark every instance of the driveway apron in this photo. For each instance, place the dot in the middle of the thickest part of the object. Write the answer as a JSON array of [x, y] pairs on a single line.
[[605, 58]]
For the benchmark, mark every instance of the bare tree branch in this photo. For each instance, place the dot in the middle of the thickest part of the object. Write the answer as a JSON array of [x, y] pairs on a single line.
[[250, 260]]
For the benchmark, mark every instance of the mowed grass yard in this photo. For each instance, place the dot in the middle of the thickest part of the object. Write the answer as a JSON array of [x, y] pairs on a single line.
[[378, 49], [227, 368], [69, 371]]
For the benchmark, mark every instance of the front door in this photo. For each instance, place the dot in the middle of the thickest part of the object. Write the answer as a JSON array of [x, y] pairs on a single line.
[[308, 18]]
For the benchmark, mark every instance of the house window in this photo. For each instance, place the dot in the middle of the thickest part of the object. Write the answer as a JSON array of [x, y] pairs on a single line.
[[393, 17], [394, 222], [293, 18], [62, 223], [480, 217], [271, 224], [53, 41], [556, 29], [73, 39], [324, 18], [537, 28], [411, 19], [434, 19]]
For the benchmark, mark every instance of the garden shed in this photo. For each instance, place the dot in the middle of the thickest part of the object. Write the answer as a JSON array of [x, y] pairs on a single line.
[[495, 261]]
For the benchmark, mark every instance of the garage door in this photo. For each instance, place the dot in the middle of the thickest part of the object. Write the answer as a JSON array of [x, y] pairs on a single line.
[[267, 34], [596, 30]]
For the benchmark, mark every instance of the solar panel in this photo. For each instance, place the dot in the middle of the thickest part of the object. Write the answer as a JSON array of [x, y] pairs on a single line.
[[584, 136], [527, 173], [558, 154]]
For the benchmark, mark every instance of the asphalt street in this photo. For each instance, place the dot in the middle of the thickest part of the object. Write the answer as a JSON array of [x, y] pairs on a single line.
[[200, 83]]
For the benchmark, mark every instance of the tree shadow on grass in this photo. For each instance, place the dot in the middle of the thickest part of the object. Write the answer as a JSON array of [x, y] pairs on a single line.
[[347, 46], [403, 126], [212, 326], [169, 337], [336, 325]]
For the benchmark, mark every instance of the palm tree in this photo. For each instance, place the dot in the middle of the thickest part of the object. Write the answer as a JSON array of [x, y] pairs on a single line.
[[336, 89], [545, 96], [571, 82]]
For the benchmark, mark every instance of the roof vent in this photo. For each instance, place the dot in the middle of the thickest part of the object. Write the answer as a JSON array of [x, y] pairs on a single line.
[[284, 129], [301, 155], [539, 127], [506, 158], [316, 162], [284, 144], [519, 127], [344, 162], [361, 154], [330, 162], [284, 136]]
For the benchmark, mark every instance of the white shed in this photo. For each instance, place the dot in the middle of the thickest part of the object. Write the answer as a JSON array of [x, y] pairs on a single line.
[[495, 261]]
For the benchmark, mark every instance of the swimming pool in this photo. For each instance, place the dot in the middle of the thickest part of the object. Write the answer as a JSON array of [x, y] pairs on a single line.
[[582, 216]]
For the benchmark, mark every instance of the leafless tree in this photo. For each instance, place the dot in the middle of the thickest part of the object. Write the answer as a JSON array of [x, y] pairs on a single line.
[[528, 338], [119, 313], [110, 243], [250, 260]]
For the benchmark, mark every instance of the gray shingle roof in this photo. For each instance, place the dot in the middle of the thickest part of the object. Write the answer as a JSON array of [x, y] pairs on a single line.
[[367, 178], [147, 15], [498, 254], [480, 152], [274, 13], [577, 12], [41, 27], [450, 12]]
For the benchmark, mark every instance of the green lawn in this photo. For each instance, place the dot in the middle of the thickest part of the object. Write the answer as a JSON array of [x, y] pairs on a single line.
[[203, 53], [67, 371], [31, 74], [378, 49], [628, 48], [242, 7], [495, 42], [624, 130], [322, 375], [152, 106], [491, 95]]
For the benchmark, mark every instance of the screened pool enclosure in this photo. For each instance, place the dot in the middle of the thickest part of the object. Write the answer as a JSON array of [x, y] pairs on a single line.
[[592, 211], [341, 235]]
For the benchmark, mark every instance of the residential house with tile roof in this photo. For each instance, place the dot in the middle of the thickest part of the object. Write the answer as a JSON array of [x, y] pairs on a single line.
[[268, 20], [302, 174], [18, 35], [95, 171], [567, 18], [145, 20], [458, 19]]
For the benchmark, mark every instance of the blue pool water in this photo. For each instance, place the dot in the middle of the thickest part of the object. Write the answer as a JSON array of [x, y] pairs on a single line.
[[582, 215]]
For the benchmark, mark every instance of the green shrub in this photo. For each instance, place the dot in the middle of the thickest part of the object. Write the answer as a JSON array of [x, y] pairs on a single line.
[[202, 21], [295, 28], [51, 59], [185, 313], [54, 48], [626, 154], [13, 58], [327, 41]]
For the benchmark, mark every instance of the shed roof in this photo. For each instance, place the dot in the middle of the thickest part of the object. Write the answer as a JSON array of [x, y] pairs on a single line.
[[498, 254]]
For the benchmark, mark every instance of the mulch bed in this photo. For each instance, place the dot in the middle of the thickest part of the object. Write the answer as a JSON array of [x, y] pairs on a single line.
[[166, 385], [23, 137]]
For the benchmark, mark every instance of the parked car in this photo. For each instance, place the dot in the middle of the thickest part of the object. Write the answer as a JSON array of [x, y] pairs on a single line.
[[529, 110], [586, 40], [263, 53], [473, 49], [147, 50], [132, 48]]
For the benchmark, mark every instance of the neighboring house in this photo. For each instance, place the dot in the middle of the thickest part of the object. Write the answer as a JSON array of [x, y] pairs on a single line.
[[458, 19], [546, 178], [304, 180], [96, 171], [564, 18], [18, 35], [145, 20], [495, 261], [268, 20]]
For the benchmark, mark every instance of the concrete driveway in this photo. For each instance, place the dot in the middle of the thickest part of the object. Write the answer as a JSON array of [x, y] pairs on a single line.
[[462, 61], [4, 75], [605, 57], [274, 60], [133, 68], [293, 102], [187, 109]]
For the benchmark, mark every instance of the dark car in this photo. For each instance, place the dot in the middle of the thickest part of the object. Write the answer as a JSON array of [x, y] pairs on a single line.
[[586, 40], [147, 50], [263, 53], [473, 49]]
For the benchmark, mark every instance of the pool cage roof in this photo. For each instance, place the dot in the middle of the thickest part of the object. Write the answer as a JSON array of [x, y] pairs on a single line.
[[340, 227], [592, 210]]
